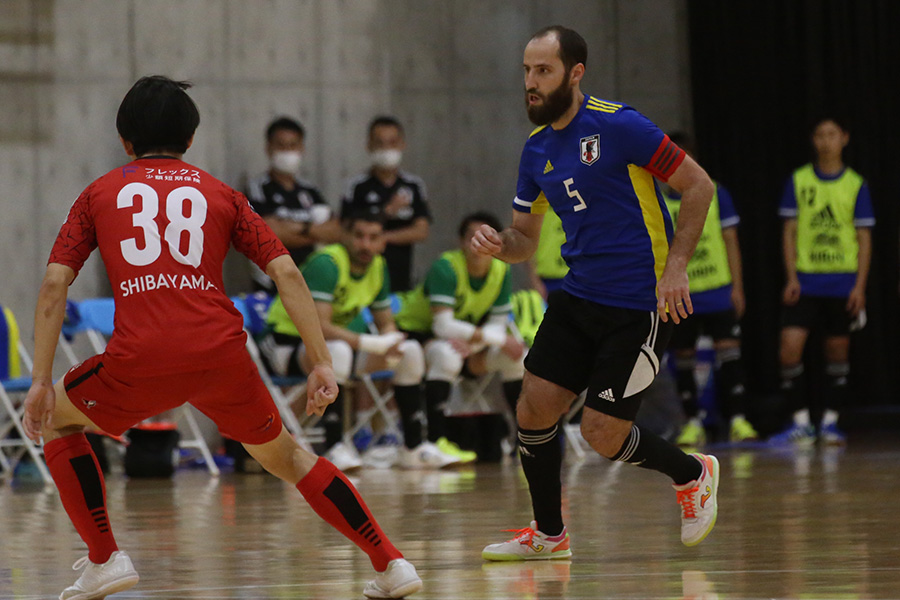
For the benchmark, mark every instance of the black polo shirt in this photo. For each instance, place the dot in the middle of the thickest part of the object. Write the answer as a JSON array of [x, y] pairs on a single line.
[[367, 192]]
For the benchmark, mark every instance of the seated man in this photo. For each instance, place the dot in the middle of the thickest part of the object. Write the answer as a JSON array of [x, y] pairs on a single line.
[[344, 278], [463, 310]]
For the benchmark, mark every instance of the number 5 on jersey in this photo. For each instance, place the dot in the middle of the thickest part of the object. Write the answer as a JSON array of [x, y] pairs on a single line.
[[574, 194], [178, 224]]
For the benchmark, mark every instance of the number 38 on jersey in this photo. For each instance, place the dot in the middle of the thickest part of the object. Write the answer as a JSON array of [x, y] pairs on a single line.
[[183, 234]]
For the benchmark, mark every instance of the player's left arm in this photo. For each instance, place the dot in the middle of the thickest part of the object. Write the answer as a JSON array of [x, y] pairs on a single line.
[[696, 189], [48, 321]]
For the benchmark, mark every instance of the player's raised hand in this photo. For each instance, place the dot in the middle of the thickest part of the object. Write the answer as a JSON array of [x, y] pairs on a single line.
[[39, 406], [487, 241], [321, 390]]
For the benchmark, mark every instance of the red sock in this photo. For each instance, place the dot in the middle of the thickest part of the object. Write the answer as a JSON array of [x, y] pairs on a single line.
[[77, 474], [334, 498]]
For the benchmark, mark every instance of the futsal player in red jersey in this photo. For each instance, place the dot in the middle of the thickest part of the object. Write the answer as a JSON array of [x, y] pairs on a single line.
[[163, 228]]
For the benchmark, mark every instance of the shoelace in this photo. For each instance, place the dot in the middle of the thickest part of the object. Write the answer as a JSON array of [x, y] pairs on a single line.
[[523, 536], [687, 500], [80, 563]]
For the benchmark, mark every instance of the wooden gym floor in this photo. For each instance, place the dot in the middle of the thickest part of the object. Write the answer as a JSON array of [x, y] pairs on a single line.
[[821, 523]]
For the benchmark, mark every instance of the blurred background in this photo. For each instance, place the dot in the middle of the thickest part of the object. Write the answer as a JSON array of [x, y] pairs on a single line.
[[746, 78]]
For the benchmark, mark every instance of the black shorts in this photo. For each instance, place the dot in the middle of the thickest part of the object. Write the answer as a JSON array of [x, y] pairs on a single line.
[[721, 325], [613, 352], [828, 315]]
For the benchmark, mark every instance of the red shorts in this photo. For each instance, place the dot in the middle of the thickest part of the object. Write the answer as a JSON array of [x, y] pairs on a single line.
[[233, 396]]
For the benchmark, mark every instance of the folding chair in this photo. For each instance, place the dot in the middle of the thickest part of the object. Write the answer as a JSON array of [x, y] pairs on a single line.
[[12, 388], [253, 308], [95, 318]]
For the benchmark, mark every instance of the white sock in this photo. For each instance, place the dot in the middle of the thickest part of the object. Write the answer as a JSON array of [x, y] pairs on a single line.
[[801, 418], [829, 418]]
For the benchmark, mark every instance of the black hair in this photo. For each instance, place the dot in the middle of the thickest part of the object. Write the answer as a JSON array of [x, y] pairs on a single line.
[[385, 120], [479, 217], [839, 120], [286, 124], [572, 47], [350, 219], [157, 115]]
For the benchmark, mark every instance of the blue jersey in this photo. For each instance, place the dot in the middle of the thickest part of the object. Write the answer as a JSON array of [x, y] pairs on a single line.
[[598, 175]]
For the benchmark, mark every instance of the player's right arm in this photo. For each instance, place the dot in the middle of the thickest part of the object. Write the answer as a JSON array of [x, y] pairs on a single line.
[[788, 211], [515, 244]]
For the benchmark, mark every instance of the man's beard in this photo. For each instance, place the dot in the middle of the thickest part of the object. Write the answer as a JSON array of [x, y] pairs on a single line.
[[555, 104]]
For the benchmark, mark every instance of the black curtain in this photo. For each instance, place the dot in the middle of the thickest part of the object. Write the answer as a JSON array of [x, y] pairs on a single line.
[[761, 73]]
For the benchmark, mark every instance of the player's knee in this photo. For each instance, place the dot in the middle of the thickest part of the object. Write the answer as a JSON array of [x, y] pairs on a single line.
[[444, 363], [605, 434], [341, 359], [411, 368]]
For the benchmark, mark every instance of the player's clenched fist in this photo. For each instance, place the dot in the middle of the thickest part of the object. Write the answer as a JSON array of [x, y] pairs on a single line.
[[487, 241], [321, 390]]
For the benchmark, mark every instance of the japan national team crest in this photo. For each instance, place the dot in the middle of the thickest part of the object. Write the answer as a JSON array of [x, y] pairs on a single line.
[[590, 149]]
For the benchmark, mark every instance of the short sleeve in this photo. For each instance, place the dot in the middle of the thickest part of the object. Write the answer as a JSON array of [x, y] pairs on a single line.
[[348, 201], [77, 237], [787, 208], [728, 216], [252, 237], [529, 196], [863, 214], [644, 144], [440, 284], [383, 299], [321, 275], [420, 203], [258, 200], [503, 303]]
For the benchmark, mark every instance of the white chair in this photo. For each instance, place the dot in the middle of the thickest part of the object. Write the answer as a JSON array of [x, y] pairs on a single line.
[[13, 388], [95, 318]]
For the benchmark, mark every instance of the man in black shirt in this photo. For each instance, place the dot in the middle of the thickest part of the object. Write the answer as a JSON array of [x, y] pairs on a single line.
[[293, 208], [399, 195]]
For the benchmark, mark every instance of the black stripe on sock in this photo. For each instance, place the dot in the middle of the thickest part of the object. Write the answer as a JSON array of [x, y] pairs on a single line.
[[342, 497], [86, 470]]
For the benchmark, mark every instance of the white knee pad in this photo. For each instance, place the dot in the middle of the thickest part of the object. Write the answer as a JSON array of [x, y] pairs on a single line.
[[411, 368], [444, 363], [341, 359], [509, 369]]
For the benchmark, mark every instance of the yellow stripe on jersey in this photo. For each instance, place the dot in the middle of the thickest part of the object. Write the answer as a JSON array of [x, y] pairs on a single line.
[[537, 129], [540, 205], [602, 105], [642, 182]]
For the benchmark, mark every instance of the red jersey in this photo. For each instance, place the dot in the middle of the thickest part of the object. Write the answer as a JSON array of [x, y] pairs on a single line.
[[163, 228]]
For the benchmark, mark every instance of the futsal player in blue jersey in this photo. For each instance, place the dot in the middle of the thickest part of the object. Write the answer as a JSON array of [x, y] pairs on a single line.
[[594, 162]]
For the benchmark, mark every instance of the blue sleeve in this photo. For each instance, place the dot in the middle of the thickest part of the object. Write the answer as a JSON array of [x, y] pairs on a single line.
[[728, 216], [636, 135], [863, 215], [787, 208], [528, 192]]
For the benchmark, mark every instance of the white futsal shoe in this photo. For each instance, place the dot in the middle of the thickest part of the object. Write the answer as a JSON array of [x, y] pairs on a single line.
[[398, 580], [699, 506], [98, 581], [530, 544], [426, 456]]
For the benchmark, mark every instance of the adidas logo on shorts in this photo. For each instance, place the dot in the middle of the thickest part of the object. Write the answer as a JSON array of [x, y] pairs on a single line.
[[607, 395]]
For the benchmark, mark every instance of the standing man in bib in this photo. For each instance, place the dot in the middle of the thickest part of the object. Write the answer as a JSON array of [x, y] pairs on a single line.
[[594, 162], [717, 291], [827, 212]]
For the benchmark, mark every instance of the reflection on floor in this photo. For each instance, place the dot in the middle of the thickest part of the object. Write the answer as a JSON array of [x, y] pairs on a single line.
[[814, 523]]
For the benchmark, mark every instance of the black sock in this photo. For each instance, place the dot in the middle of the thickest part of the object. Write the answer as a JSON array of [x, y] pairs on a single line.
[[649, 451], [836, 388], [542, 461], [730, 379], [333, 421], [436, 395], [409, 401], [687, 385], [511, 392], [793, 387]]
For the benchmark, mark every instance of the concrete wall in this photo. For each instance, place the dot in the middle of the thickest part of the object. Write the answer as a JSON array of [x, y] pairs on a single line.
[[450, 70]]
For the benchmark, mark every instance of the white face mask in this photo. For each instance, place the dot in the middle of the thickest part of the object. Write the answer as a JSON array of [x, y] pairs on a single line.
[[386, 159], [287, 161]]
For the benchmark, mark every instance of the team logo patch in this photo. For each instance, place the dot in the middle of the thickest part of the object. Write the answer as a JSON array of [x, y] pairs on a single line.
[[89, 403], [590, 149]]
